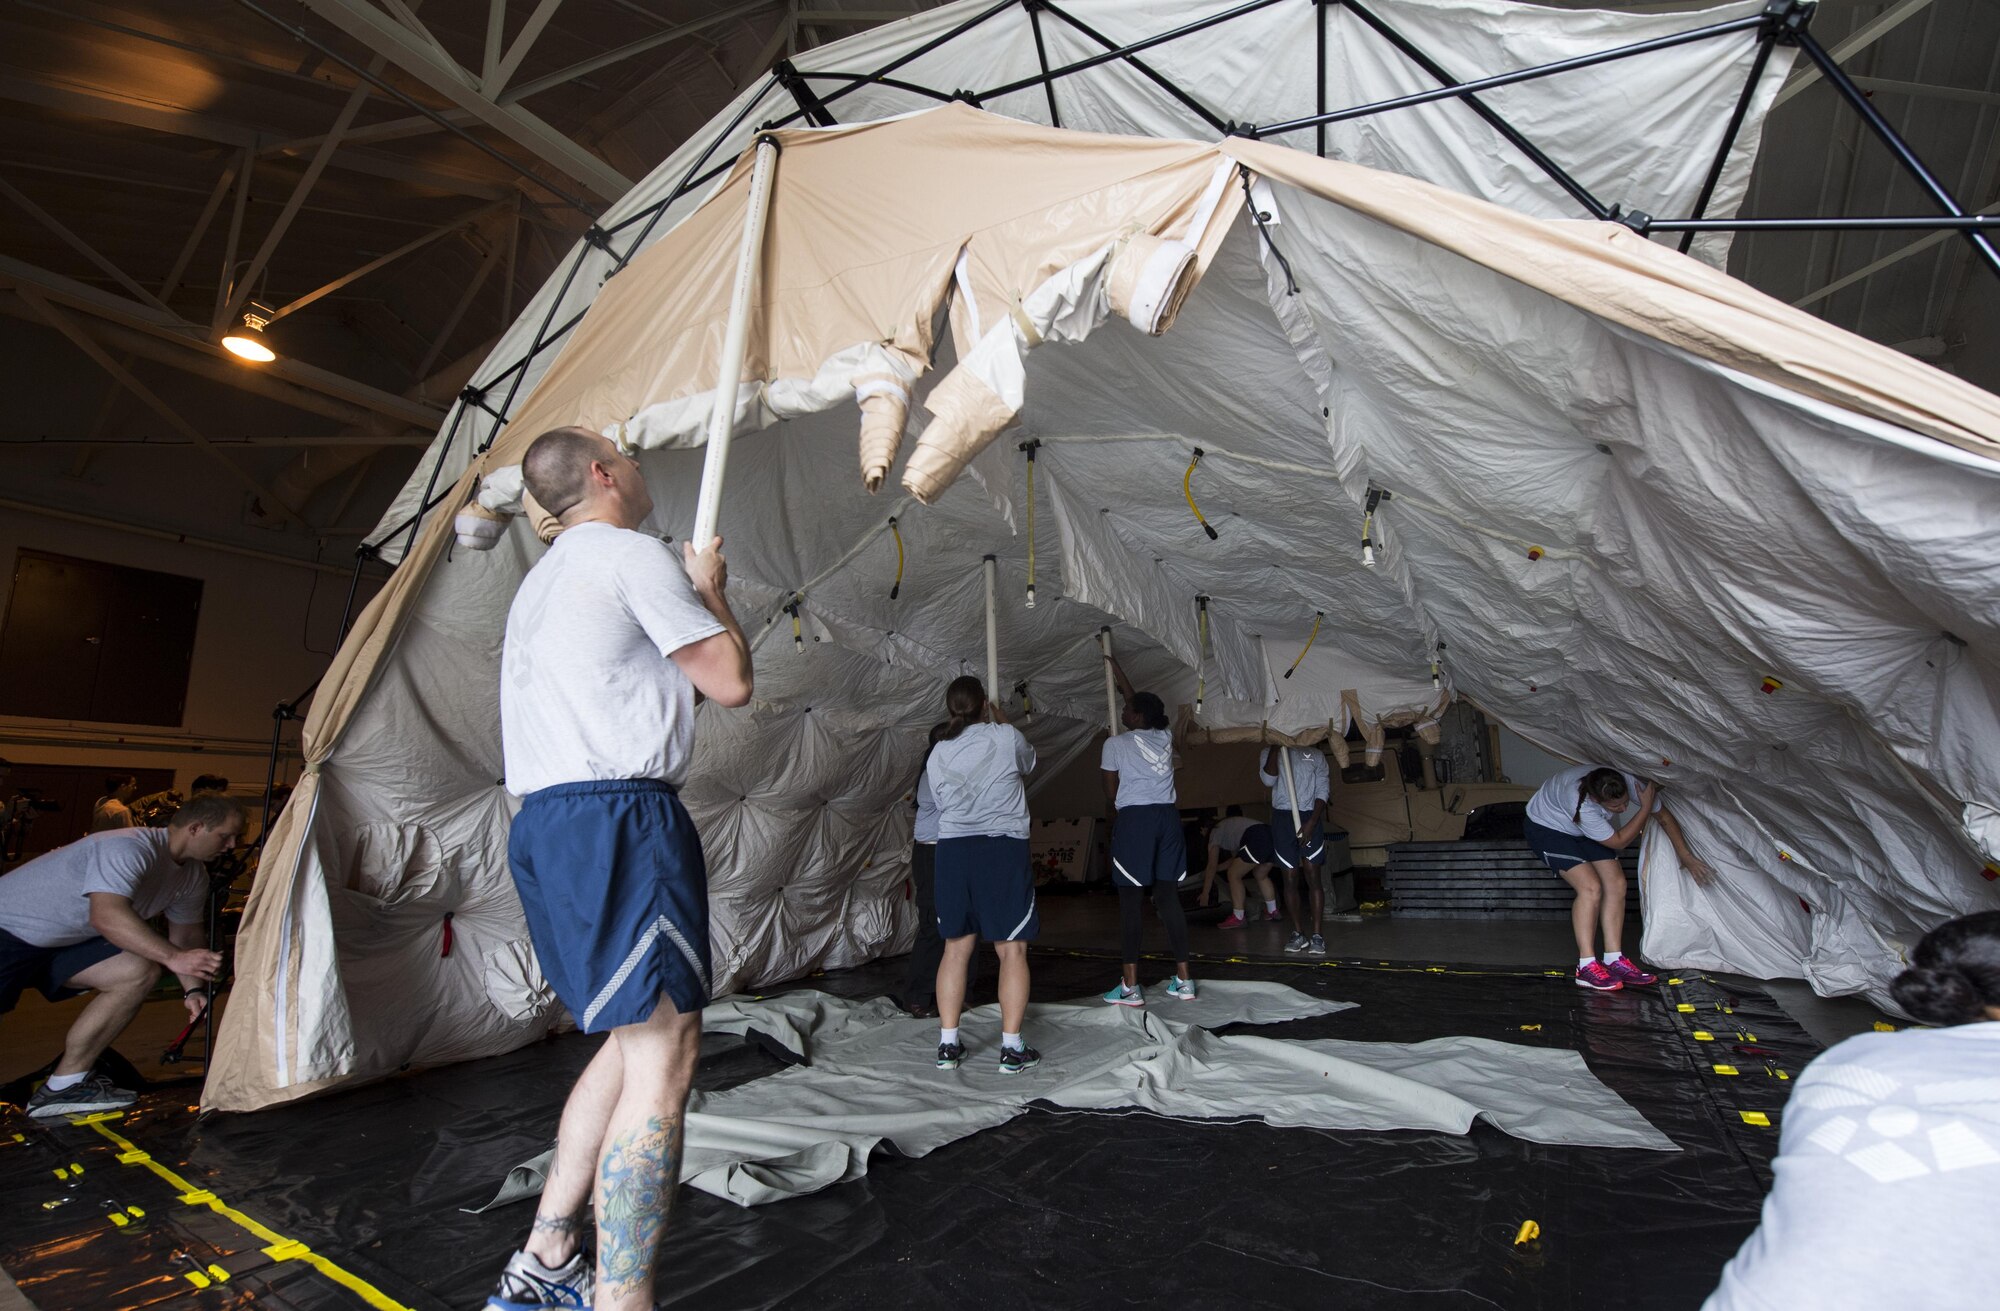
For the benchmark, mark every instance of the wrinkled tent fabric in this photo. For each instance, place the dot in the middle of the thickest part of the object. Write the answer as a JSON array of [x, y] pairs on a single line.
[[1721, 489], [872, 1080]]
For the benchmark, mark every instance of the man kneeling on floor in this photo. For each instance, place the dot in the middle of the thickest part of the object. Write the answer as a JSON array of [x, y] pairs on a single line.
[[74, 920], [607, 643]]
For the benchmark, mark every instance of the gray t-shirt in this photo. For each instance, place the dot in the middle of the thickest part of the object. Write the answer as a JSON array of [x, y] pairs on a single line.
[[1554, 806], [976, 778], [1888, 1164], [1228, 834], [46, 902], [1143, 760], [1308, 770], [588, 686]]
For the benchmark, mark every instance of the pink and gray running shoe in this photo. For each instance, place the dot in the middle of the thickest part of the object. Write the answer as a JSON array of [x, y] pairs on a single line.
[[1597, 978], [1629, 974]]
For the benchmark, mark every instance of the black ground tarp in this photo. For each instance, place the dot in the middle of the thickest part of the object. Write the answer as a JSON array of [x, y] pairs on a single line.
[[1056, 1209]]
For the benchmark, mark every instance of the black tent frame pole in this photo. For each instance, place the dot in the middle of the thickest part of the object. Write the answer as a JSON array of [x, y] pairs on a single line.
[[437, 466], [1454, 90], [1971, 224], [1034, 8], [1319, 83], [922, 50], [362, 555], [653, 213], [1900, 148], [1129, 53], [1736, 116], [1597, 208]]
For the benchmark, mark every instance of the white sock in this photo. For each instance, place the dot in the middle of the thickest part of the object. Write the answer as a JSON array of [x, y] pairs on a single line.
[[1613, 957], [1010, 1042], [1270, 908], [946, 1037], [1584, 961], [64, 1082]]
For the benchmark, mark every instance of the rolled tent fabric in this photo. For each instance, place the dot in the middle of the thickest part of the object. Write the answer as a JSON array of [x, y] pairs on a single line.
[[1513, 382]]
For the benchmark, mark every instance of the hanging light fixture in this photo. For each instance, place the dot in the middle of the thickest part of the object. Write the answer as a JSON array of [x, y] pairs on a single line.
[[248, 342]]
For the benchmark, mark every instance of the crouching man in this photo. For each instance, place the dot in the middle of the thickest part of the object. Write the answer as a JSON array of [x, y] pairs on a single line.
[[74, 920]]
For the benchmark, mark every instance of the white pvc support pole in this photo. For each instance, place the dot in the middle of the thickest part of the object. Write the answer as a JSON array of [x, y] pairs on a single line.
[[1284, 753], [992, 629], [1110, 683], [722, 417]]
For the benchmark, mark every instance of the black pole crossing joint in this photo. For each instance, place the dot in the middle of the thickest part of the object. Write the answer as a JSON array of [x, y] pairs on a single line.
[[1784, 20], [808, 100]]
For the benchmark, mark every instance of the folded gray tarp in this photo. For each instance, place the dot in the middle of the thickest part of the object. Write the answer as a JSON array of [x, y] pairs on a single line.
[[872, 1078]]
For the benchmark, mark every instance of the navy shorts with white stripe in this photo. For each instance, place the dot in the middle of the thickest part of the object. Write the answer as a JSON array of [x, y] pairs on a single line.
[[615, 892], [1147, 846], [983, 885]]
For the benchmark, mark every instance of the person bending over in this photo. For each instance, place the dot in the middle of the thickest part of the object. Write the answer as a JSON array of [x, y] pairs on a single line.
[[985, 887], [1578, 822], [1889, 1155], [74, 920], [1246, 845], [1300, 849], [608, 640], [1148, 850]]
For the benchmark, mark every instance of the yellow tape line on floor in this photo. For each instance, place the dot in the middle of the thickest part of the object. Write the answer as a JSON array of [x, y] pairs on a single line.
[[277, 1246]]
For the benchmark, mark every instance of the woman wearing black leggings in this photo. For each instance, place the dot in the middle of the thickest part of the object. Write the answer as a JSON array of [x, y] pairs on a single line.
[[1147, 847]]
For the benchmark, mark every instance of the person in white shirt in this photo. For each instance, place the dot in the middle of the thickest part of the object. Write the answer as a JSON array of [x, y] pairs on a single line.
[[114, 809], [1299, 850], [608, 641], [1889, 1154], [1246, 845], [985, 887], [1148, 850], [1578, 822], [74, 920]]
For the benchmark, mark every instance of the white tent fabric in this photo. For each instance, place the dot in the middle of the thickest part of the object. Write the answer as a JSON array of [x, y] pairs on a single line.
[[1670, 109], [872, 1080], [1607, 532]]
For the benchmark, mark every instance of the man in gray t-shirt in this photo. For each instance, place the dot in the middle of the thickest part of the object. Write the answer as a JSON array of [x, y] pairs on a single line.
[[75, 920]]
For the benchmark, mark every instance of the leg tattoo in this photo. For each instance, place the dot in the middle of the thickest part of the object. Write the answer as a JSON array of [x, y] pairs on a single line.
[[636, 1187]]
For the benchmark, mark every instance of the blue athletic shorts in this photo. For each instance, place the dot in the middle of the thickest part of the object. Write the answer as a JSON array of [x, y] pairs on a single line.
[[1147, 846], [23, 965], [616, 894], [1563, 852], [1285, 841], [984, 886], [1257, 847]]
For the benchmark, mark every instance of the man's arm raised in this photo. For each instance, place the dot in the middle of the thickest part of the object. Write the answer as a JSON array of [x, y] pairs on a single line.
[[719, 664]]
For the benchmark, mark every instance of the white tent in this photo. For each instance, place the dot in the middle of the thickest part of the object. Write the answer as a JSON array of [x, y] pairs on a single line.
[[1624, 496]]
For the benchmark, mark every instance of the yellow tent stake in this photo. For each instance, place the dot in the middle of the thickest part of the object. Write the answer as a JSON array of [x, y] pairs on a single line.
[[1311, 637], [1187, 490]]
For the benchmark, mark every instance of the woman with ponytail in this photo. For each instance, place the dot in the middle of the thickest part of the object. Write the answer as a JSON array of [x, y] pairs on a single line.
[[1578, 822], [1889, 1155], [1148, 849], [983, 884]]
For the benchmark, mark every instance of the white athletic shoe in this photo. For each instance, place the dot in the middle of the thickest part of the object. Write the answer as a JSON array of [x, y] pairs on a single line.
[[528, 1285]]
